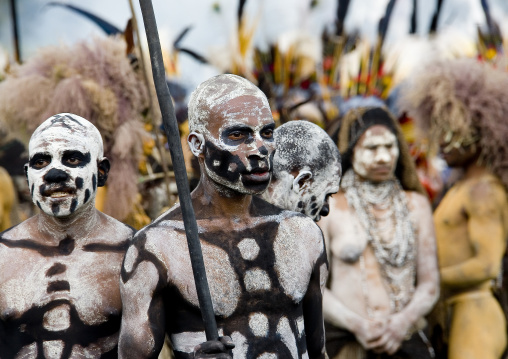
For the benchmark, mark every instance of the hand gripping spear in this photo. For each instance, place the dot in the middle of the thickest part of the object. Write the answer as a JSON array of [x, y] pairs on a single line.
[[175, 148]]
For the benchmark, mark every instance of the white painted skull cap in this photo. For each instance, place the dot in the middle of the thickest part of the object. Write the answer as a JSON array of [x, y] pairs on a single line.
[[66, 125], [215, 92]]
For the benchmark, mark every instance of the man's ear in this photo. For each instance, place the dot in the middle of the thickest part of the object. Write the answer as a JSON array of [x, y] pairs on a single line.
[[103, 167], [196, 143], [302, 181]]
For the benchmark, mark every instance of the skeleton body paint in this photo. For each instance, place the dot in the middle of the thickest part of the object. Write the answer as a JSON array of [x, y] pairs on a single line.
[[59, 292], [266, 267]]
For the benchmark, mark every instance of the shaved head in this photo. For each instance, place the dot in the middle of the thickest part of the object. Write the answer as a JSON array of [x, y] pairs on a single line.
[[66, 164], [213, 94], [306, 169]]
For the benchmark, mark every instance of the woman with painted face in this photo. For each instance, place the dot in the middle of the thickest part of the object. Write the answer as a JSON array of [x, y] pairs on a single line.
[[383, 267]]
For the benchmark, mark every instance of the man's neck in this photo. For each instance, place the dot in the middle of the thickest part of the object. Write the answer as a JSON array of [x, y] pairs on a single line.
[[220, 202], [78, 225]]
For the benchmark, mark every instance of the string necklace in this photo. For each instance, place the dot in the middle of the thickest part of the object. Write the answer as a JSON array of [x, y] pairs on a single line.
[[383, 213]]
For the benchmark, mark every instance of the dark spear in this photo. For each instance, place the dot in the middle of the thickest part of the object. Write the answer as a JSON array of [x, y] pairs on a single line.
[[175, 148], [15, 30]]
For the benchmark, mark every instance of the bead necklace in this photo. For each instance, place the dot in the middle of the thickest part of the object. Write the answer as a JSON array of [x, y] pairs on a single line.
[[383, 213]]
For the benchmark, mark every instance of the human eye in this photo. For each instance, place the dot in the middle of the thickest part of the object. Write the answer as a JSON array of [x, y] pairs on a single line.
[[73, 161], [267, 133], [75, 158], [40, 161], [236, 135]]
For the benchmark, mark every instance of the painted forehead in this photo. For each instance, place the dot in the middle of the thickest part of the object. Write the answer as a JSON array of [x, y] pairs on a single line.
[[215, 96], [66, 131], [379, 136]]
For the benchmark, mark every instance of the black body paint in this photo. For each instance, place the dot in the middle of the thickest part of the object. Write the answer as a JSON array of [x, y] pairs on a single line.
[[58, 285], [60, 121], [55, 269], [213, 154], [64, 248], [55, 208], [84, 159], [74, 204], [56, 176], [87, 195], [79, 183], [181, 316]]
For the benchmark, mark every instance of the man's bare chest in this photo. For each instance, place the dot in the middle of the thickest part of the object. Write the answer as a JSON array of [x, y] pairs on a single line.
[[244, 268], [86, 281]]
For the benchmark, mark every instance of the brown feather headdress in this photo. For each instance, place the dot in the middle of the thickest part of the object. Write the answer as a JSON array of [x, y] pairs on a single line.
[[465, 102]]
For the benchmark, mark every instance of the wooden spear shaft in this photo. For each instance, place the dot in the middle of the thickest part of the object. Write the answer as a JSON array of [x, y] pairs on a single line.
[[175, 148]]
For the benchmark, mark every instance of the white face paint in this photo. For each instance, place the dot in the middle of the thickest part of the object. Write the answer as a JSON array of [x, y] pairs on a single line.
[[239, 145], [232, 127], [376, 153], [62, 171], [306, 169], [315, 200]]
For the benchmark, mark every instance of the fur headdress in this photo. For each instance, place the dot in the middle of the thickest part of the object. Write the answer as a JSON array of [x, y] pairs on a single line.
[[463, 101], [95, 80], [356, 122]]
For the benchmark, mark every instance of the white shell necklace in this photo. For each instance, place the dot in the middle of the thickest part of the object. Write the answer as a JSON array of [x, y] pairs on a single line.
[[390, 233]]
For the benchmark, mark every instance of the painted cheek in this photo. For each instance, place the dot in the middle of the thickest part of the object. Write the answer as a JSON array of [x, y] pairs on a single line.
[[362, 160], [223, 163]]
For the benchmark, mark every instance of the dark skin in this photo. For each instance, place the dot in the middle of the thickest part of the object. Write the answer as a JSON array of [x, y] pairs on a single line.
[[241, 244], [59, 291]]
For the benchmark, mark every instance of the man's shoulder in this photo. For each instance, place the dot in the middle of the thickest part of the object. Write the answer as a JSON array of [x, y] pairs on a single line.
[[260, 207], [21, 231], [168, 224]]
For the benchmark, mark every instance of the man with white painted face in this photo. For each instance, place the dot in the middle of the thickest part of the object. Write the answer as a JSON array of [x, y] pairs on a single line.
[[306, 169], [384, 275], [266, 267], [59, 288]]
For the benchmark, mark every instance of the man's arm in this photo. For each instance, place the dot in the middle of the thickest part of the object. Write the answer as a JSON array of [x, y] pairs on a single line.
[[313, 308], [427, 281], [484, 207], [142, 330]]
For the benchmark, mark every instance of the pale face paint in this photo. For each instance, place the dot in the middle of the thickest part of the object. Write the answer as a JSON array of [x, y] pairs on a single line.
[[239, 145], [62, 172], [314, 202], [376, 153]]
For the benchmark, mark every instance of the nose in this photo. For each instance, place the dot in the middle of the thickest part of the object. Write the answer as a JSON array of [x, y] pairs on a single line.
[[325, 210], [383, 155], [55, 176]]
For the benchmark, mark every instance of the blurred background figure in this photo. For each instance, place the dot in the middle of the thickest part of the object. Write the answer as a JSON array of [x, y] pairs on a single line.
[[383, 266], [462, 106], [306, 169]]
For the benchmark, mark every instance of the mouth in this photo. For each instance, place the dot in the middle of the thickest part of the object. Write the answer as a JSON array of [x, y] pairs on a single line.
[[382, 170], [257, 175], [60, 192]]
